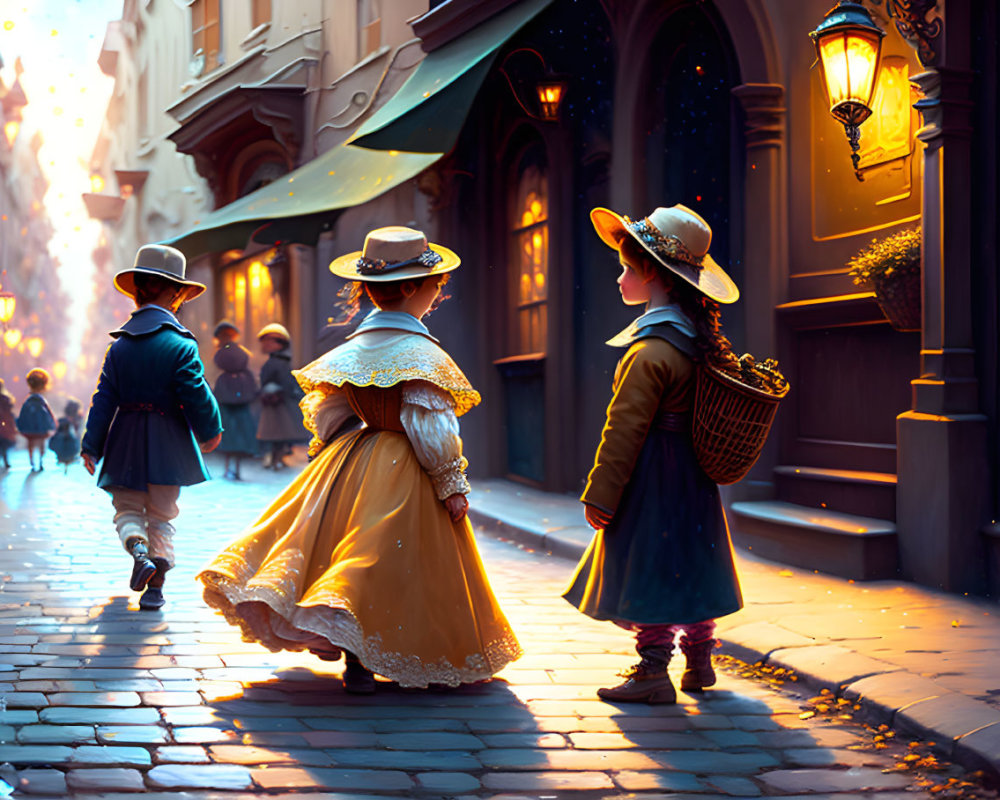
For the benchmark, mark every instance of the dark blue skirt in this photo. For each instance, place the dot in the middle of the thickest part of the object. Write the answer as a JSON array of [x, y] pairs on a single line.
[[65, 445], [666, 557], [239, 429]]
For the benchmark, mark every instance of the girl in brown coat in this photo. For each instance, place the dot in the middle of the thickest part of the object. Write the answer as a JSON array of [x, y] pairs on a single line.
[[661, 561]]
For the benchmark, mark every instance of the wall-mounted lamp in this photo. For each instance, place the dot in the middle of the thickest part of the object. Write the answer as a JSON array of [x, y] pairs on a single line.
[[849, 48], [550, 93], [547, 87]]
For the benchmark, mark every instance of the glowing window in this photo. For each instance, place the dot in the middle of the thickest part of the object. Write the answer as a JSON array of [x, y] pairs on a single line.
[[529, 262]]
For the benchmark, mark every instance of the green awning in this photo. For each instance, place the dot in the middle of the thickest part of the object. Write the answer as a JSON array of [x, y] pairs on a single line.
[[339, 178], [428, 111]]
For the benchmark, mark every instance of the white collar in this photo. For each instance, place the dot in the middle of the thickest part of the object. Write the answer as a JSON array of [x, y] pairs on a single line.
[[392, 320]]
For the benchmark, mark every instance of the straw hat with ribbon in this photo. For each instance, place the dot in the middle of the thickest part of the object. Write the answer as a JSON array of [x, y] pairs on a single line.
[[163, 262], [395, 254], [679, 239]]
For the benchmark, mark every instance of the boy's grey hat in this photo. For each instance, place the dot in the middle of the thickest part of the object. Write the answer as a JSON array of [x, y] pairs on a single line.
[[161, 261]]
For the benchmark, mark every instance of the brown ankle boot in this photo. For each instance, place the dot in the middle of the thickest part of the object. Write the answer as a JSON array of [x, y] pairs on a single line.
[[646, 682], [698, 672]]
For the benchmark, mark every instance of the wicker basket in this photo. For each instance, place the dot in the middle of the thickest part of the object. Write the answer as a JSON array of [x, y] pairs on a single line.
[[731, 423], [901, 305]]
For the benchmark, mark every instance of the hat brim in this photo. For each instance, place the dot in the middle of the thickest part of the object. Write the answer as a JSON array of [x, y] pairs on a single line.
[[711, 279], [125, 282], [347, 267]]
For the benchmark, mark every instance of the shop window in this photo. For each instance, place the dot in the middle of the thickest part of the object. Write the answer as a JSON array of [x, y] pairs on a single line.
[[206, 35], [260, 13], [529, 263], [250, 299]]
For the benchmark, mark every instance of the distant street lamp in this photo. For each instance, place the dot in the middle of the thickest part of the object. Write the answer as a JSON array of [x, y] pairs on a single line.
[[35, 346], [7, 303], [849, 48]]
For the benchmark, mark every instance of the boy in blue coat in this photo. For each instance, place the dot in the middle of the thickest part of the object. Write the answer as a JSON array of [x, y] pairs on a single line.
[[152, 416]]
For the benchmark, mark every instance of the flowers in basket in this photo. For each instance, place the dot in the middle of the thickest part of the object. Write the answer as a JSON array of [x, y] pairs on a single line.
[[764, 376], [891, 268], [887, 262]]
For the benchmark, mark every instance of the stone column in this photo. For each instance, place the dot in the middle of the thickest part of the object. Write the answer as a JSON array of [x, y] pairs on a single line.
[[765, 254], [942, 499]]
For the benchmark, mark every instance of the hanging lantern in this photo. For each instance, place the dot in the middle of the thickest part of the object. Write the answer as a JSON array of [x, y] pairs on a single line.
[[35, 346], [550, 92], [7, 303], [849, 48]]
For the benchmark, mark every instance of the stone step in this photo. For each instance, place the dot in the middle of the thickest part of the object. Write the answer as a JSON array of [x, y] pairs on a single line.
[[867, 494], [848, 545]]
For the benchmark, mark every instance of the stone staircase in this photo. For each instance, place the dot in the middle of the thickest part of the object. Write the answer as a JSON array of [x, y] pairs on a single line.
[[832, 520]]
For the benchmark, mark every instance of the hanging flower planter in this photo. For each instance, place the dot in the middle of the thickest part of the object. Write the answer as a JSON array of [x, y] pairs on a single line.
[[891, 268]]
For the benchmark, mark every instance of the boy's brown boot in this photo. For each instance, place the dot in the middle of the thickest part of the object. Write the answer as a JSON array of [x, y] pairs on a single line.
[[152, 598], [698, 672], [646, 682]]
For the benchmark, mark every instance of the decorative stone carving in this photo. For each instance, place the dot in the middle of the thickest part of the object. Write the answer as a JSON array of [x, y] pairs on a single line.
[[763, 104]]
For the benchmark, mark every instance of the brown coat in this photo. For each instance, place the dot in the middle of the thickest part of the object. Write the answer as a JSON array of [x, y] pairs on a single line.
[[653, 377]]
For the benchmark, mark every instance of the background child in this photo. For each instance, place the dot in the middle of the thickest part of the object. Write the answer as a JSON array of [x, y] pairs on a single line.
[[8, 427], [151, 410], [370, 550], [280, 423], [235, 389], [660, 561], [36, 421], [64, 443], [73, 414]]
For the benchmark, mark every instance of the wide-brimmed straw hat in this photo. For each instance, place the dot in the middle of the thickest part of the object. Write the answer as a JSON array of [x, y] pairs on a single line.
[[275, 329], [395, 253], [161, 261], [679, 239]]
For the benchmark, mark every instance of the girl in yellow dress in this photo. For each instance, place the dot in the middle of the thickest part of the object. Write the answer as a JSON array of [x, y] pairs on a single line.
[[370, 550]]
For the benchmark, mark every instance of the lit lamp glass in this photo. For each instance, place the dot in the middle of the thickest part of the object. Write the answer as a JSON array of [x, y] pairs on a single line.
[[11, 337], [550, 93], [7, 303], [35, 346], [849, 47]]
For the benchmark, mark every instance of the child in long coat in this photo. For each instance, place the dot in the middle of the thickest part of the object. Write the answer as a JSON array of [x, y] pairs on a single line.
[[661, 561], [280, 424], [152, 416], [36, 420], [8, 426], [370, 551], [64, 443], [235, 389]]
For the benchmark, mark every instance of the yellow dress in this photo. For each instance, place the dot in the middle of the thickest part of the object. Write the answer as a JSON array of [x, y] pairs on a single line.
[[359, 552]]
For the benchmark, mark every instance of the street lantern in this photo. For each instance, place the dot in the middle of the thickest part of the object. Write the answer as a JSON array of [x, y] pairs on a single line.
[[7, 303], [35, 346], [849, 48], [11, 337], [550, 92]]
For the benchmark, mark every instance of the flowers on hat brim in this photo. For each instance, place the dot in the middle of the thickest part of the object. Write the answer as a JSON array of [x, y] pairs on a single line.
[[704, 274], [434, 260]]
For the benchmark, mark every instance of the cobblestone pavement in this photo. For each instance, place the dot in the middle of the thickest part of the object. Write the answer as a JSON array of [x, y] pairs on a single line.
[[102, 700]]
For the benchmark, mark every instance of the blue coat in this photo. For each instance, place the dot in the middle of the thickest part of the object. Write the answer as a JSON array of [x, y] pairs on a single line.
[[152, 406]]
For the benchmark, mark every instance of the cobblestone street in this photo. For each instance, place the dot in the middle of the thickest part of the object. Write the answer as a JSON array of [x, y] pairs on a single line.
[[101, 698]]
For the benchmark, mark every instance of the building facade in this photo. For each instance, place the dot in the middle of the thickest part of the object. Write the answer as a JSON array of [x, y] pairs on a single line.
[[881, 459], [29, 337]]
